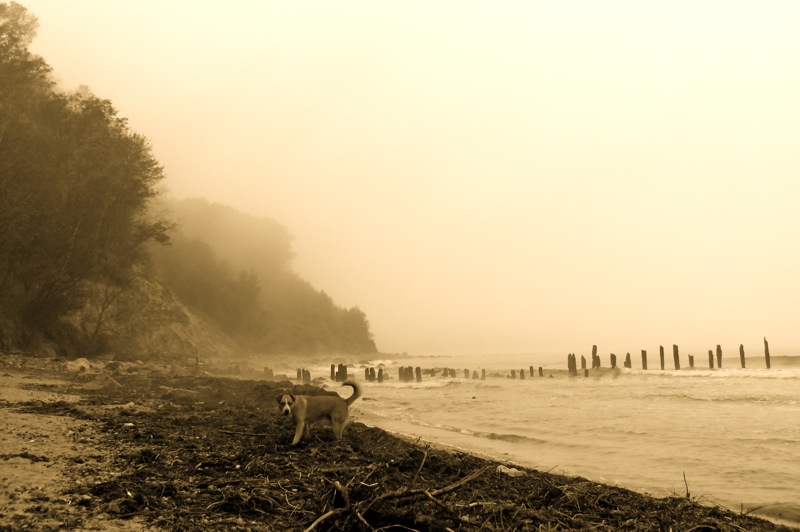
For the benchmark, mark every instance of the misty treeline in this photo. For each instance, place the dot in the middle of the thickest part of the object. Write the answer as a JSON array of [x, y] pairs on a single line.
[[79, 232], [235, 269]]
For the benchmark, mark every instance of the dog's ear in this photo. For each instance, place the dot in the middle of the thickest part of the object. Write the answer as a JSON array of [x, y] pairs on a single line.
[[292, 398], [278, 398]]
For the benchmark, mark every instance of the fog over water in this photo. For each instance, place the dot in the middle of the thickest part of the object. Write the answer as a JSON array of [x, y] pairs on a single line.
[[479, 177]]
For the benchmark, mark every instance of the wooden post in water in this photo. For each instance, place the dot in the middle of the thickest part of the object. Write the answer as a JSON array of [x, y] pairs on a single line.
[[531, 370], [675, 358], [483, 374], [466, 374], [380, 374], [661, 354], [766, 351], [628, 363], [691, 361], [613, 361], [419, 374], [513, 374], [583, 362], [522, 374], [644, 359], [333, 372], [475, 375], [299, 374], [741, 354], [586, 373], [541, 371], [719, 356], [366, 374], [710, 359]]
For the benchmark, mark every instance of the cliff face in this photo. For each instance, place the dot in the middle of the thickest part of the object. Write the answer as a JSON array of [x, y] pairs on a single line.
[[145, 322]]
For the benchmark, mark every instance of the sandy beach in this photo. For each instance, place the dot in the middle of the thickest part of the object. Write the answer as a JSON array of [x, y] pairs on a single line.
[[131, 446]]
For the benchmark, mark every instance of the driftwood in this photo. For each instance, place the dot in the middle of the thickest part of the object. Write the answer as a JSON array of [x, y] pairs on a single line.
[[223, 461]]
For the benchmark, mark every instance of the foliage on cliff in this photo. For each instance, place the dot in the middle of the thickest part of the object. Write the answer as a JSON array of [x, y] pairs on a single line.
[[77, 191], [75, 185], [253, 295]]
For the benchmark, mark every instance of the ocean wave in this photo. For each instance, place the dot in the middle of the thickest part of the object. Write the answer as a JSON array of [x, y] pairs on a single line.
[[511, 438], [411, 419], [723, 373], [425, 384], [747, 399]]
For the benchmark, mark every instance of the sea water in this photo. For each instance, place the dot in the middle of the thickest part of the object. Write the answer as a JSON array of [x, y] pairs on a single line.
[[723, 436]]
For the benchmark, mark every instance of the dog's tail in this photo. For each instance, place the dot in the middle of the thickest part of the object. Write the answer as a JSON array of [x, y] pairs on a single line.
[[356, 391]]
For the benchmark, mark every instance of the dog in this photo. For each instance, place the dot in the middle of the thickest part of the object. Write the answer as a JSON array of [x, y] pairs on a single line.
[[307, 409]]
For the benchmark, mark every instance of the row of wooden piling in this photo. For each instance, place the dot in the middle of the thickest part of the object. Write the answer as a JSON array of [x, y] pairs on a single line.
[[676, 361], [531, 373], [410, 374]]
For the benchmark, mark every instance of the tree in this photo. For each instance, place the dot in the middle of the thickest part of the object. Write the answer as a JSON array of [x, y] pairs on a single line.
[[75, 184]]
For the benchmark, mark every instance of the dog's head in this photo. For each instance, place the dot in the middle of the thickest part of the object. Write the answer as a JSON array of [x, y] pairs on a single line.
[[286, 403]]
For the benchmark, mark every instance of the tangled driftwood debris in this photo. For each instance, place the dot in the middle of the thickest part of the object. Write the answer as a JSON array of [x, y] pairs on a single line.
[[219, 458]]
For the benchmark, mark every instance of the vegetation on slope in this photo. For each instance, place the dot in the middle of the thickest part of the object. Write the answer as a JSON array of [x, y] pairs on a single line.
[[77, 187]]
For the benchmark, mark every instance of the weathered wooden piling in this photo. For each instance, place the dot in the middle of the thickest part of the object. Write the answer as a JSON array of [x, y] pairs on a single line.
[[661, 356], [595, 358], [341, 373], [531, 370], [418, 373], [380, 374], [475, 375], [691, 361], [299, 374], [675, 357], [483, 374], [710, 359], [741, 354], [513, 374], [583, 362], [766, 352], [719, 356], [522, 374], [628, 363], [586, 373], [644, 359], [306, 376], [366, 374], [333, 372], [541, 371], [613, 361]]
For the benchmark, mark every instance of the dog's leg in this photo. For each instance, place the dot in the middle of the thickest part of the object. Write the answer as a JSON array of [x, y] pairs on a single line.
[[298, 433], [338, 423]]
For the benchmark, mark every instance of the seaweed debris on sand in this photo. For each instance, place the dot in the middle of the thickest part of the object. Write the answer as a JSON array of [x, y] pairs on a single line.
[[142, 447]]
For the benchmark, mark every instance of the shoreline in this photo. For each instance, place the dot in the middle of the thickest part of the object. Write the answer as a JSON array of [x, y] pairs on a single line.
[[120, 437]]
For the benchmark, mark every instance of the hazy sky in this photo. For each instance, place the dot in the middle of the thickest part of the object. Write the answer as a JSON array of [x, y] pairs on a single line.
[[484, 176]]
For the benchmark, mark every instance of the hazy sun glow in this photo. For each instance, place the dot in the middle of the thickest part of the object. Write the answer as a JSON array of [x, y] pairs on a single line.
[[484, 176]]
